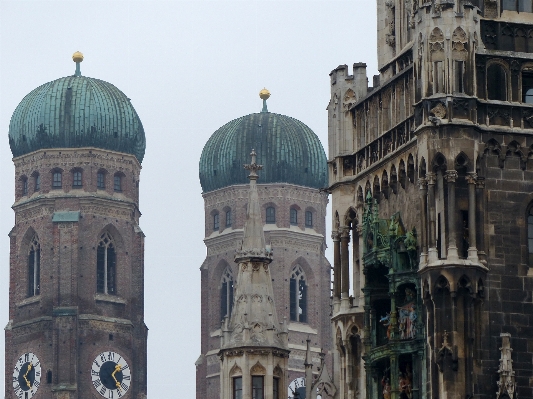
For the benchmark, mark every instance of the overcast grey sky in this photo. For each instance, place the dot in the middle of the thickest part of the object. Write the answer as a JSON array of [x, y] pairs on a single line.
[[189, 67]]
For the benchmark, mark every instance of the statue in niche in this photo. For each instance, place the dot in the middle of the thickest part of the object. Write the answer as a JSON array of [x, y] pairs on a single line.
[[405, 383], [385, 321], [385, 383], [410, 246], [407, 316]]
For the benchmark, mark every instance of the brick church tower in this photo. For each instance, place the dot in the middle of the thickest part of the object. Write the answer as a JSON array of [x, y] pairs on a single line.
[[76, 304], [293, 212], [431, 176]]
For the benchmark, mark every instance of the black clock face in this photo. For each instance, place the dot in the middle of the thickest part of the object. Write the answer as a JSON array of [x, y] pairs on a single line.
[[27, 376], [110, 375]]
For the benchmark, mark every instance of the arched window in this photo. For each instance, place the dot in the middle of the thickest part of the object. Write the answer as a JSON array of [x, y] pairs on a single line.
[[228, 218], [57, 179], [106, 260], [294, 216], [271, 214], [76, 179], [298, 295], [226, 294], [34, 267], [24, 186], [530, 235], [117, 183], [237, 387], [37, 178], [216, 221], [496, 83], [100, 180], [308, 219]]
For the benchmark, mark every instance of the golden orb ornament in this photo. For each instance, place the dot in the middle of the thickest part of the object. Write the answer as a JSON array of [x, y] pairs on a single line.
[[264, 94], [77, 57]]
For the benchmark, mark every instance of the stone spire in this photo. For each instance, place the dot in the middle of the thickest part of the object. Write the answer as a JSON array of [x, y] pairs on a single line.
[[254, 346]]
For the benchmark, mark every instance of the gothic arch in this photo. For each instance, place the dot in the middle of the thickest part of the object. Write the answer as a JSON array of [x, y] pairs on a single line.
[[113, 231], [402, 175], [459, 44], [393, 179], [422, 170], [350, 218], [385, 184], [439, 162], [376, 188], [361, 198], [497, 71], [307, 269], [257, 369], [27, 238], [368, 188], [235, 370], [462, 163], [411, 168]]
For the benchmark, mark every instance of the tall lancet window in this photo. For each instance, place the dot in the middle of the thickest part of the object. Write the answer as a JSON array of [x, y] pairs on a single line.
[[106, 265], [226, 294], [298, 288], [530, 235], [34, 267]]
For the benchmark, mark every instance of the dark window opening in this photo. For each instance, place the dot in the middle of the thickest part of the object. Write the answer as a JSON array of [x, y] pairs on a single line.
[[459, 76], [25, 186], [257, 387], [308, 219], [226, 294], [275, 388], [228, 219], [438, 77], [496, 83], [49, 377], [100, 180], [34, 268], [439, 238], [37, 182], [530, 236], [465, 237], [294, 216], [106, 266], [117, 183], [111, 338], [76, 179], [57, 180], [527, 87], [271, 215], [298, 296], [237, 388], [216, 223]]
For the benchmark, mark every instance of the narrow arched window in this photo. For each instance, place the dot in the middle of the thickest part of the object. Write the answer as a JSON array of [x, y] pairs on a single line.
[[76, 179], [258, 387], [271, 214], [496, 83], [298, 295], [34, 267], [308, 219], [294, 216], [226, 294], [228, 218], [106, 265], [24, 186], [527, 87], [216, 221], [57, 179], [237, 388], [37, 178], [100, 180], [117, 183]]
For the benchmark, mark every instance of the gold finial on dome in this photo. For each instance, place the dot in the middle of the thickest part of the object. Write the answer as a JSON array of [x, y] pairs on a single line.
[[264, 94], [77, 57]]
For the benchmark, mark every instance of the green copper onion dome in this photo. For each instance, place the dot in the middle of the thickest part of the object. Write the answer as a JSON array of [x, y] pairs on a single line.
[[288, 150], [76, 111]]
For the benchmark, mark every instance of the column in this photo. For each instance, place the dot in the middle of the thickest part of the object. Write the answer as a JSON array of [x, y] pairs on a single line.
[[336, 265], [361, 277], [345, 266], [453, 254], [432, 250], [480, 197], [423, 187], [471, 178]]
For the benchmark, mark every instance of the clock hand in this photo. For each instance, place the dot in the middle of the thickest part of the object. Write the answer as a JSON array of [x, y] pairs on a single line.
[[117, 369], [25, 379]]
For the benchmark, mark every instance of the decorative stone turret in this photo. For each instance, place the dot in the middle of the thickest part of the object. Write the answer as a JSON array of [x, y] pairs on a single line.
[[254, 346]]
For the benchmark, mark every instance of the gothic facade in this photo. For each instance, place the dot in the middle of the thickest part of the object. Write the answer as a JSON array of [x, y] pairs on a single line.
[[431, 178]]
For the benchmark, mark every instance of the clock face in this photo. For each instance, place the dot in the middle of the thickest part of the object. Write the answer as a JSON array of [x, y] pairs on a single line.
[[110, 375], [27, 376]]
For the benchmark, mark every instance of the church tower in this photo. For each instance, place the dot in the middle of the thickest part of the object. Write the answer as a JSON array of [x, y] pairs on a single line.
[[76, 299], [432, 191], [293, 216], [254, 345]]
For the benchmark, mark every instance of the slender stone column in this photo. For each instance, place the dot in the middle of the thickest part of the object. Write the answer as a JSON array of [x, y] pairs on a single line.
[[451, 177], [423, 186], [480, 241], [345, 264], [432, 250], [472, 249], [336, 265]]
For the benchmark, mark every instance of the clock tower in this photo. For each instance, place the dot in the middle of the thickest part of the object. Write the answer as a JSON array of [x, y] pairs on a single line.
[[76, 299]]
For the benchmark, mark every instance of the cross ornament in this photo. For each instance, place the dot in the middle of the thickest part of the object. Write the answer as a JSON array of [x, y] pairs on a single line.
[[253, 167]]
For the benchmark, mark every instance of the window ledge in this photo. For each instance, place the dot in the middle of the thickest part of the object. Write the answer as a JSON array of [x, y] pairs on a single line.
[[29, 301], [109, 298], [302, 327]]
